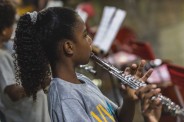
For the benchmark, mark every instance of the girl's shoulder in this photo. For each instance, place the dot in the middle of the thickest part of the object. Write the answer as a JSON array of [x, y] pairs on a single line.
[[64, 89]]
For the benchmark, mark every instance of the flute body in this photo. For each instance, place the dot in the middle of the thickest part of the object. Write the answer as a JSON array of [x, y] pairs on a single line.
[[133, 83]]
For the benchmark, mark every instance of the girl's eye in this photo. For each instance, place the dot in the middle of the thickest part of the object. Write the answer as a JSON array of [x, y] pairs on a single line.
[[86, 34]]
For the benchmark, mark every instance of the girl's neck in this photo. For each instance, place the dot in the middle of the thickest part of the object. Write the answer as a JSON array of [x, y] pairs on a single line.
[[65, 72]]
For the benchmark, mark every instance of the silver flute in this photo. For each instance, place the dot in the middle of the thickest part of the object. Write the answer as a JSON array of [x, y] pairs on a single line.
[[129, 80]]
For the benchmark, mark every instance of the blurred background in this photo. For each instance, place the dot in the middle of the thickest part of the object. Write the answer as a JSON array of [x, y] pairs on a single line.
[[159, 22], [151, 29]]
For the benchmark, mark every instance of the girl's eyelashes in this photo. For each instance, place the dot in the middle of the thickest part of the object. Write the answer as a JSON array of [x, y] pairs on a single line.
[[85, 34]]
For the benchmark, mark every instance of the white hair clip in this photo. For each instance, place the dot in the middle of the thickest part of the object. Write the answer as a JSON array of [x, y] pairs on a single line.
[[33, 16]]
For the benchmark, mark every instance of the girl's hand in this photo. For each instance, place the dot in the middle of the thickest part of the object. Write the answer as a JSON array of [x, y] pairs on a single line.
[[151, 109], [137, 72]]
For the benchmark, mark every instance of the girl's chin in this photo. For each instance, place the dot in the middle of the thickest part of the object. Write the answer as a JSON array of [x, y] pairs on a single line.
[[86, 62]]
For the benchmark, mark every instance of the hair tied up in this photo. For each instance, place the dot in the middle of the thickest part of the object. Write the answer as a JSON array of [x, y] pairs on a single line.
[[33, 16]]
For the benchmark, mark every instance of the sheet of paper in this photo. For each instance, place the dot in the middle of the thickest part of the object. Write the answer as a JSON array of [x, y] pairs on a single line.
[[82, 14], [104, 24], [112, 30], [54, 4]]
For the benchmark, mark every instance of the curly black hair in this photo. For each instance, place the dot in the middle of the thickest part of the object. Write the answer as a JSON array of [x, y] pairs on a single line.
[[36, 45], [6, 20]]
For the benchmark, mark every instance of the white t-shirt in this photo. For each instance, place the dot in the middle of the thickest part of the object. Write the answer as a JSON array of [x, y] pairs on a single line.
[[24, 110]]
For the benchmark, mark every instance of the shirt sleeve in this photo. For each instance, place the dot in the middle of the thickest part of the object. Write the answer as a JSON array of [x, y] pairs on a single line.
[[70, 110], [7, 74]]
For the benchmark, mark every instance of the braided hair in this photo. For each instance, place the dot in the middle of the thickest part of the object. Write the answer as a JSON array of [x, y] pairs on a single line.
[[36, 45]]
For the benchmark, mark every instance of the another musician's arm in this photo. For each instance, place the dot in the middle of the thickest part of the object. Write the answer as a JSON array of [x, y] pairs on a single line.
[[15, 92]]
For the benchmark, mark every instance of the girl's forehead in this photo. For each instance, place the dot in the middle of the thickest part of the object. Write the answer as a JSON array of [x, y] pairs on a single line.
[[79, 18], [80, 24]]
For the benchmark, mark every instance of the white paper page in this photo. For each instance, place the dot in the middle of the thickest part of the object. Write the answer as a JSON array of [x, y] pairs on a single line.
[[112, 30], [104, 24], [54, 4], [82, 14]]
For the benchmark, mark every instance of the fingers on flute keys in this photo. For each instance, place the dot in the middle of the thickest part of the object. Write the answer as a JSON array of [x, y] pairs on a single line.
[[145, 94]]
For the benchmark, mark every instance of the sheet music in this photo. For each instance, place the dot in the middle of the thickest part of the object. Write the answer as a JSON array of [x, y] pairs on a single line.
[[113, 30], [105, 21], [54, 4], [82, 14]]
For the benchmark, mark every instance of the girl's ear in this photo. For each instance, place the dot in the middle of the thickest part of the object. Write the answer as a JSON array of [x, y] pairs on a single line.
[[68, 47]]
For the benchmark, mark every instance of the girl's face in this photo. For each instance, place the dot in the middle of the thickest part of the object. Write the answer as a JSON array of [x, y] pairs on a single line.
[[7, 32], [82, 43]]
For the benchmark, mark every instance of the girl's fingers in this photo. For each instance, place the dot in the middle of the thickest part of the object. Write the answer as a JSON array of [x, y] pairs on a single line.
[[150, 106], [127, 71], [151, 93], [139, 71], [141, 91], [146, 75], [133, 69], [123, 87], [144, 105], [155, 103], [145, 94]]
